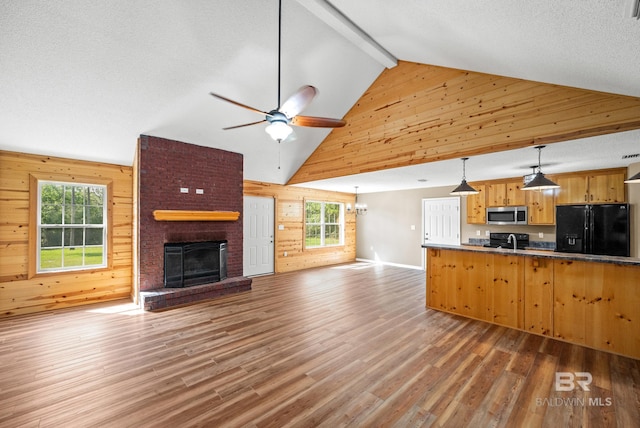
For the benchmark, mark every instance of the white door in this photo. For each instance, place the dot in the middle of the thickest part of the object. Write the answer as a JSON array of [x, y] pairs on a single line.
[[258, 236], [441, 220]]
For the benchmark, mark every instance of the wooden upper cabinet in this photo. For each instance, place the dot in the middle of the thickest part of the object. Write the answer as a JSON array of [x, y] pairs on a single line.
[[595, 187], [506, 194], [476, 205], [607, 187], [541, 206]]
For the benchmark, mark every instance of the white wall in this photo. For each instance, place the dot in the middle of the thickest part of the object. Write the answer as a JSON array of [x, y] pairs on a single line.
[[385, 234]]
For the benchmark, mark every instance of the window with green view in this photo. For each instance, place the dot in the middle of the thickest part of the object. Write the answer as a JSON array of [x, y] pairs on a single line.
[[324, 224], [72, 226]]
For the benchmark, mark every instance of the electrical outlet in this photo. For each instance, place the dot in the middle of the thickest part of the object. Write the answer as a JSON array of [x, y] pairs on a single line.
[[540, 235], [285, 254], [184, 190], [477, 233], [487, 233]]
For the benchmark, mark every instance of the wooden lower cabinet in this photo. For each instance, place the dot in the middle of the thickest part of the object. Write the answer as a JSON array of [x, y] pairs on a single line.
[[598, 305], [588, 303], [505, 288], [538, 295], [457, 283]]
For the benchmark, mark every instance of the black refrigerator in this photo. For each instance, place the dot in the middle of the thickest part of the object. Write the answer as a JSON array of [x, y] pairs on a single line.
[[593, 229]]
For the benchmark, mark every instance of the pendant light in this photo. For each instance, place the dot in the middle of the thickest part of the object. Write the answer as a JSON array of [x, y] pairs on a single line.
[[464, 189], [540, 182], [634, 179], [361, 209]]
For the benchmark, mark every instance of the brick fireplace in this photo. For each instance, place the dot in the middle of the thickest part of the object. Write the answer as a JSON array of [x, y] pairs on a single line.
[[178, 176]]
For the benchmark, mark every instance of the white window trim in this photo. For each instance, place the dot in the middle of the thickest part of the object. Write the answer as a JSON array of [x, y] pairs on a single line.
[[322, 224], [105, 227]]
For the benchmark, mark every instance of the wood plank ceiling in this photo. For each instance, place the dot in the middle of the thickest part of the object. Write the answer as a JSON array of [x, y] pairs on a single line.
[[416, 113]]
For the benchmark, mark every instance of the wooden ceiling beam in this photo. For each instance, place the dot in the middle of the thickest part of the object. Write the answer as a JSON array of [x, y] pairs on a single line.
[[416, 113]]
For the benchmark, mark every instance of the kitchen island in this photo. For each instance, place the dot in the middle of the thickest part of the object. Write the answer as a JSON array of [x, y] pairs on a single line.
[[584, 299]]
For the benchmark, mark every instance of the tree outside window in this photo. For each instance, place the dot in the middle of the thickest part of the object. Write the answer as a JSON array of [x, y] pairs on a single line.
[[71, 226], [323, 224]]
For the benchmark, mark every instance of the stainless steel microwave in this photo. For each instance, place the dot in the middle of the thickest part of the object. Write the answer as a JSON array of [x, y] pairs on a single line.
[[507, 215]]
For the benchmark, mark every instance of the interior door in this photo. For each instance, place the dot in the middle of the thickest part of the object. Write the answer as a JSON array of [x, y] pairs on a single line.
[[441, 220], [258, 238]]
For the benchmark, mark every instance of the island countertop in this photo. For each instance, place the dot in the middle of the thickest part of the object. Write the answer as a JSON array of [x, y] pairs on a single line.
[[619, 260]]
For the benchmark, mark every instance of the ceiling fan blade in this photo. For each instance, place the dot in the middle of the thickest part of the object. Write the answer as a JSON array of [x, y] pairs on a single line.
[[242, 126], [239, 104], [317, 122], [298, 101]]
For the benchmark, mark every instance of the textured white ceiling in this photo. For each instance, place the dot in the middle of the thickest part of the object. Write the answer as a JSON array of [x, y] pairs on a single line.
[[84, 79]]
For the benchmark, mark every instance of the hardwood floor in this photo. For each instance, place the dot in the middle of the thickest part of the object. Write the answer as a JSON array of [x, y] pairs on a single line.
[[351, 345]]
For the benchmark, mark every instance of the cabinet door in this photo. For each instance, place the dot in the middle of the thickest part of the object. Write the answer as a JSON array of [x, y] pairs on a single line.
[[607, 188], [538, 295], [497, 194], [476, 205], [573, 190], [514, 194], [505, 274], [542, 207], [438, 275]]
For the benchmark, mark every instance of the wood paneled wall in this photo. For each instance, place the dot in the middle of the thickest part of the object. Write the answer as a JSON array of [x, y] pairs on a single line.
[[416, 113], [20, 293], [289, 207]]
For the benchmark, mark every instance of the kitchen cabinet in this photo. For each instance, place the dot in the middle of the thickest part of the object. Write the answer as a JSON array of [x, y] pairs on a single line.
[[587, 302], [594, 187], [505, 289], [483, 286], [468, 296], [476, 205], [538, 296], [541, 207], [596, 305], [500, 194]]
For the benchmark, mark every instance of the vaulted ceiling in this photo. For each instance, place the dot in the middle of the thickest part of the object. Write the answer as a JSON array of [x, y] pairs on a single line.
[[84, 79]]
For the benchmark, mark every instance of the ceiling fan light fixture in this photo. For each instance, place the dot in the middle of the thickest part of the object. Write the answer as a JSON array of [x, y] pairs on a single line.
[[464, 189], [278, 130], [634, 179], [540, 182]]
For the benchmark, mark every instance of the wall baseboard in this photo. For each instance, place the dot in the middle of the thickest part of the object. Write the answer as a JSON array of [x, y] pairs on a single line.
[[389, 264]]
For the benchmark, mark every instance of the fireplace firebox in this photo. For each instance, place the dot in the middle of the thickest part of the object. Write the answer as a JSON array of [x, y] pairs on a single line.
[[193, 263]]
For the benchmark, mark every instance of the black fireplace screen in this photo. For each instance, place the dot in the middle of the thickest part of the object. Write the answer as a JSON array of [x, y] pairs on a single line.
[[193, 263]]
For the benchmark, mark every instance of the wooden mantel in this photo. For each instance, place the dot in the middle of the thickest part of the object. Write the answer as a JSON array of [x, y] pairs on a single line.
[[184, 215]]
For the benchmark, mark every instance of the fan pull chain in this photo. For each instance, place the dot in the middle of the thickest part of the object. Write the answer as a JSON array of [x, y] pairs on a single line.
[[279, 141]]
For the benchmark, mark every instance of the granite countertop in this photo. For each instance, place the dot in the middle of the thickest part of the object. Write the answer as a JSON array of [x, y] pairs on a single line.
[[543, 253]]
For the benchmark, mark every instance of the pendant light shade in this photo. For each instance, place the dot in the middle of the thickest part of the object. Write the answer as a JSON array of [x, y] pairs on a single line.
[[540, 182], [464, 189], [634, 179]]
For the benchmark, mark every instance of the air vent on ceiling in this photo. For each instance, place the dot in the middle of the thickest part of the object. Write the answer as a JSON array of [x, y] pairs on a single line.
[[633, 156], [634, 8]]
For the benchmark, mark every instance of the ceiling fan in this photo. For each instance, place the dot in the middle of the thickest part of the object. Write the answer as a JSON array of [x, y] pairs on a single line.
[[287, 113]]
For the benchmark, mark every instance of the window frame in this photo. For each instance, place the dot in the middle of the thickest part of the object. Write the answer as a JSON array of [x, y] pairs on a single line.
[[35, 227], [323, 224]]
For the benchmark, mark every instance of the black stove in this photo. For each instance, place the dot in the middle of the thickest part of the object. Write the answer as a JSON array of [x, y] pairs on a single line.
[[501, 240]]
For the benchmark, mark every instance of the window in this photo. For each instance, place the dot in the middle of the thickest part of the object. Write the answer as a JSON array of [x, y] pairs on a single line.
[[324, 223], [71, 226]]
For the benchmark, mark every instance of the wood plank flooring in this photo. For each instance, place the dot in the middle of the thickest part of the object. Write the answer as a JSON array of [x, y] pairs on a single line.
[[350, 345]]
